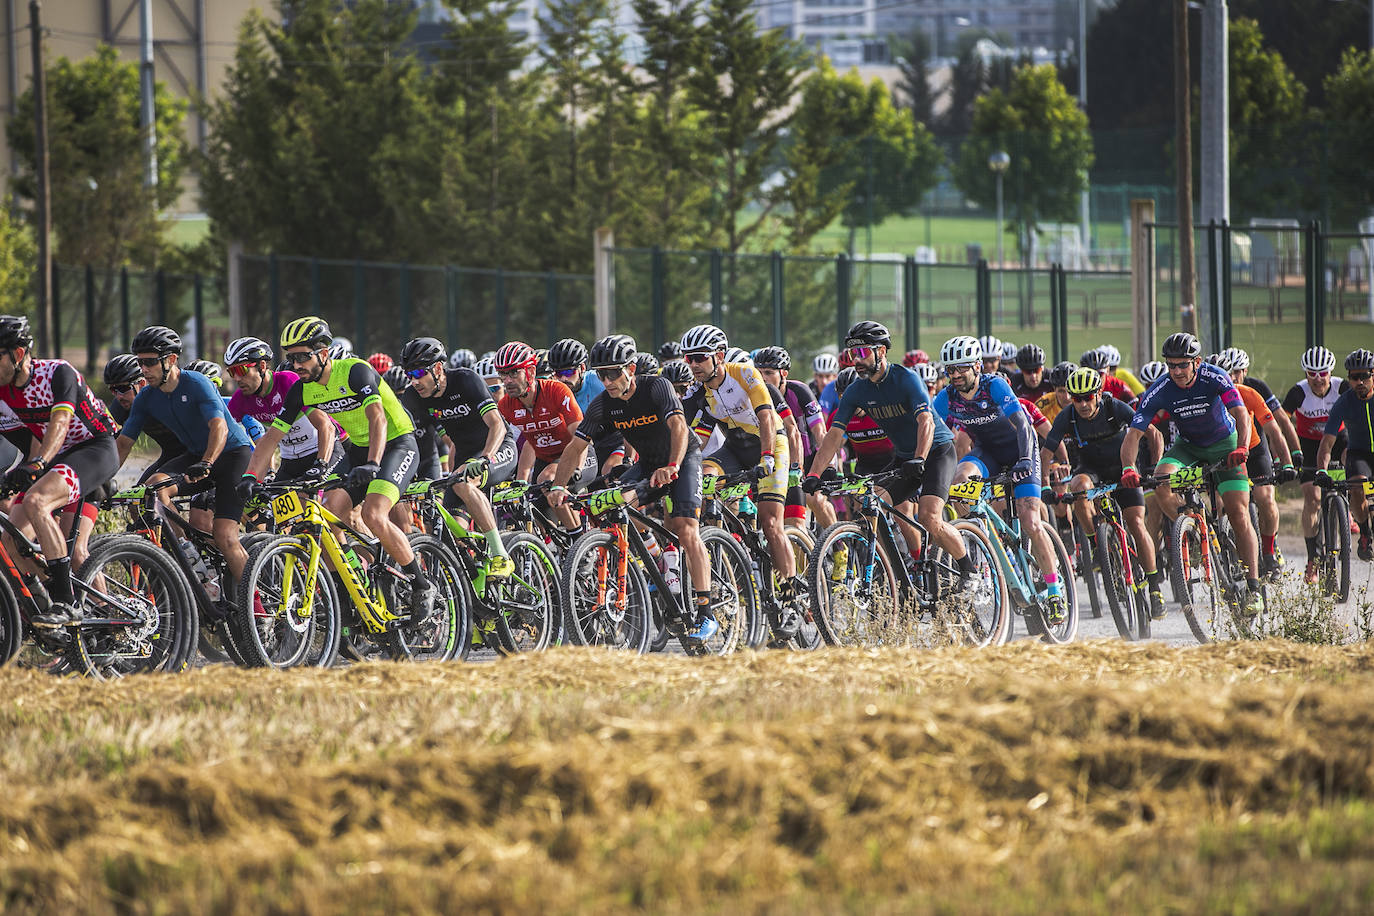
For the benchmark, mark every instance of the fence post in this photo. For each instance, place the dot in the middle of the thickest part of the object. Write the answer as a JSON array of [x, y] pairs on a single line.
[[198, 306], [550, 308], [1319, 274], [911, 292], [1225, 281], [274, 293], [984, 291], [92, 346], [657, 296], [1213, 289], [359, 304], [1056, 353], [500, 305], [841, 297], [314, 286], [1309, 288], [405, 304], [779, 298], [124, 307], [717, 287]]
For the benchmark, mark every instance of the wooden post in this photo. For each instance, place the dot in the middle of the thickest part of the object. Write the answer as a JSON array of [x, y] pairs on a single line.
[[603, 240], [1143, 317]]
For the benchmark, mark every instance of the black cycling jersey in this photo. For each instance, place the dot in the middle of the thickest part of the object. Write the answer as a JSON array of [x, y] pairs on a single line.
[[1032, 394], [642, 419], [459, 411], [1264, 391], [1098, 438], [157, 431]]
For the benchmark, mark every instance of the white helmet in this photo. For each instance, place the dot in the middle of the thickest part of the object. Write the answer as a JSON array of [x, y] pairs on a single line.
[[961, 351], [1226, 359], [246, 350], [486, 368], [927, 372], [1318, 359], [736, 355], [825, 364], [989, 347], [704, 338], [1008, 351], [1237, 357], [1112, 353], [1151, 371], [345, 343]]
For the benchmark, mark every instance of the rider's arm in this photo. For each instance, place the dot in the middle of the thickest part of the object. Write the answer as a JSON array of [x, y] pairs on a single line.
[[1156, 440], [1130, 446], [496, 433], [56, 434], [325, 435], [1011, 408], [830, 444], [125, 445], [214, 442], [1242, 418], [570, 462], [1324, 450], [262, 453], [526, 462]]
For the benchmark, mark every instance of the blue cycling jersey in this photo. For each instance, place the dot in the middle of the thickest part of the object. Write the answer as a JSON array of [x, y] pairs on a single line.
[[1358, 416], [187, 411], [829, 399], [591, 387], [1199, 411], [893, 403], [992, 417]]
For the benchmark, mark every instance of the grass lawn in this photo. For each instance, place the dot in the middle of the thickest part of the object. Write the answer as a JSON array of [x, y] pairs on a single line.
[[902, 234]]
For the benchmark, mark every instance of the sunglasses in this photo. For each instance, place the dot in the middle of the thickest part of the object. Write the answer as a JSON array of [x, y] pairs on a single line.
[[510, 373], [1083, 398], [417, 373], [121, 389], [857, 353], [240, 370], [566, 373], [956, 370], [1322, 374], [300, 358], [149, 362], [1358, 376], [1178, 367], [609, 373], [698, 357]]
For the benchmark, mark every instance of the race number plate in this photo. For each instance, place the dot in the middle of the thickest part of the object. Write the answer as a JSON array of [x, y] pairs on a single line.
[[286, 507], [418, 488], [1185, 477], [508, 491], [1369, 488], [133, 494], [969, 490]]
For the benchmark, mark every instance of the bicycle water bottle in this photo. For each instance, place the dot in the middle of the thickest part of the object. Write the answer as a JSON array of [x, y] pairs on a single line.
[[747, 507], [671, 573], [355, 564], [199, 569]]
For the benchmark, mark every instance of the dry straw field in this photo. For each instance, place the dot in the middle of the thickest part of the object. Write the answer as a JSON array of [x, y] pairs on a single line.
[[1093, 778]]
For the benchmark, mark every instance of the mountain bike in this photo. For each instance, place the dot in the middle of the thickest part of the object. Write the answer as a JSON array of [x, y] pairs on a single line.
[[284, 572], [864, 593], [1021, 572], [1333, 529], [1123, 578]]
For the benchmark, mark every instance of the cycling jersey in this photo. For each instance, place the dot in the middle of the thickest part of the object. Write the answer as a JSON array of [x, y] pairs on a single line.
[[1260, 415], [1117, 389], [460, 411], [1357, 416], [547, 425], [1048, 404], [1097, 438], [1128, 378], [351, 386], [187, 410], [54, 385], [1200, 411], [1264, 392], [735, 405], [867, 440], [591, 387], [894, 403], [988, 418], [1031, 393], [1033, 412], [301, 439], [805, 411], [166, 440], [1310, 411], [829, 398], [642, 419]]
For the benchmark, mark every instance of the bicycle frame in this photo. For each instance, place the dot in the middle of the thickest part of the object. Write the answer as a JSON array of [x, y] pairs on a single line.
[[1016, 568], [879, 513], [1101, 497], [620, 523], [153, 518]]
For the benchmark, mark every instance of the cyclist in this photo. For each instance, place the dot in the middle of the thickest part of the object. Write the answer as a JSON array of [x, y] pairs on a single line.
[[1240, 374], [1051, 404], [870, 449], [1309, 402], [1117, 371], [486, 371], [1096, 359], [923, 447], [669, 352], [125, 380], [647, 412], [455, 402], [992, 416], [310, 443], [824, 368], [1097, 425], [1031, 382], [991, 349], [381, 449], [1354, 409], [568, 360], [929, 374], [1207, 411], [773, 364], [737, 400], [646, 364], [914, 358], [381, 362], [680, 375]]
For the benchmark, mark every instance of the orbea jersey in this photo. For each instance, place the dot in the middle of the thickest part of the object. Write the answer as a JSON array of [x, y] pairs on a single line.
[[54, 385], [1358, 416], [1198, 411], [187, 411], [987, 416], [345, 394], [1309, 410], [894, 404], [547, 425], [642, 419], [460, 411], [302, 439]]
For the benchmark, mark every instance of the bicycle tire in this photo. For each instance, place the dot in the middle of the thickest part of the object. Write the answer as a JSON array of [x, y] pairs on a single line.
[[1087, 564], [808, 636], [445, 633], [1335, 579], [588, 623], [1130, 607], [734, 597], [530, 602], [989, 588], [149, 588], [216, 643], [1034, 616], [848, 611], [1202, 598], [11, 622], [280, 638]]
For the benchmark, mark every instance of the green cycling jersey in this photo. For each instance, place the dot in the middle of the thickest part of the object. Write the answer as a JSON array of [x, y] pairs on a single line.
[[350, 386]]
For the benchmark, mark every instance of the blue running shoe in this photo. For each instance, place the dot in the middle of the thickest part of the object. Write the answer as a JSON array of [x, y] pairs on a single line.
[[704, 630]]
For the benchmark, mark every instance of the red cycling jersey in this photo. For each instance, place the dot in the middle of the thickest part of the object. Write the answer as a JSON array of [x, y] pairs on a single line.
[[547, 426], [54, 384], [866, 437]]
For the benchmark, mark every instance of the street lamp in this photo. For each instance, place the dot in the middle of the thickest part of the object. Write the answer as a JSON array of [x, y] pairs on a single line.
[[998, 162]]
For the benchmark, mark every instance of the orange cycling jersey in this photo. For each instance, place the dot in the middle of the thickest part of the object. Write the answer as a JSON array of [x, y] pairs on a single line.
[[548, 425], [1260, 414]]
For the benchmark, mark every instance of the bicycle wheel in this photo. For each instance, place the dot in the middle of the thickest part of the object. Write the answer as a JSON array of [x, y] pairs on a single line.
[[849, 603], [11, 622], [809, 633], [1196, 582], [267, 626], [1335, 561], [446, 632], [138, 611], [530, 605], [597, 614], [1035, 616], [1130, 606], [734, 597], [1086, 562], [1231, 573], [975, 614]]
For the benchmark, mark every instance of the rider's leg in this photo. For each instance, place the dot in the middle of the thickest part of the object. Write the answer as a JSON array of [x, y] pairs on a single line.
[[1134, 517], [1028, 509], [779, 547], [1083, 509], [34, 518], [1237, 505], [823, 508], [483, 518]]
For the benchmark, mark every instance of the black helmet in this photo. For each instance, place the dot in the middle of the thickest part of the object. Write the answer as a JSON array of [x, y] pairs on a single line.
[[156, 339], [421, 353], [847, 375], [1059, 375], [677, 372], [122, 370], [1094, 359], [615, 350], [396, 378], [867, 334], [567, 354], [1181, 346], [773, 358], [1030, 357], [14, 332], [670, 351], [1360, 360], [646, 364]]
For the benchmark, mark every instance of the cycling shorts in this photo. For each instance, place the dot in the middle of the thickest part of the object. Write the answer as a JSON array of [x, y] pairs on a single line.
[[219, 486], [1184, 454], [1260, 463], [795, 505], [1359, 463], [940, 464], [684, 496], [293, 468], [156, 466], [86, 467], [732, 457], [1125, 497], [400, 460], [10, 456], [990, 466], [502, 469], [1309, 451], [870, 463], [585, 474]]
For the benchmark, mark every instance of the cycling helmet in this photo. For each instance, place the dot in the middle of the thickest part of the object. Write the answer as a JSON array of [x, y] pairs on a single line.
[[1152, 371], [1360, 360], [567, 354], [380, 361], [961, 351], [915, 358], [845, 359], [1094, 359], [14, 332], [542, 369], [612, 351], [462, 358], [847, 375], [773, 358], [1030, 357], [1212, 359], [396, 378], [868, 334], [485, 368], [340, 349], [1181, 346], [156, 339], [825, 364], [1113, 354], [669, 351], [1008, 351], [208, 369], [1318, 359], [646, 364], [123, 370], [347, 344], [1059, 375], [308, 332], [677, 372], [422, 352], [927, 372], [515, 355], [1084, 380], [1239, 358], [737, 355], [989, 347], [704, 338], [246, 350], [1226, 360]]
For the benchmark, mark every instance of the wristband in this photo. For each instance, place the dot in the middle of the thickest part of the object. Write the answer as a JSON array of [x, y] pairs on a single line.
[[768, 453], [672, 464], [813, 475], [557, 489], [251, 475]]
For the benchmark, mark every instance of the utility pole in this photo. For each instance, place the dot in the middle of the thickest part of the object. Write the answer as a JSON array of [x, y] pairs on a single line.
[[1084, 200], [1187, 284], [43, 200], [1215, 196], [147, 111]]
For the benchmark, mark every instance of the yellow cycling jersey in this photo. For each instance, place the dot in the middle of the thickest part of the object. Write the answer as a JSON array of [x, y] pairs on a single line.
[[1049, 406], [736, 404], [1129, 380]]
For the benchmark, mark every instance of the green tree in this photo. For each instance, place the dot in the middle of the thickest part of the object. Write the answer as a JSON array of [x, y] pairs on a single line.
[[1041, 126], [913, 91], [1350, 129], [1267, 115], [18, 256]]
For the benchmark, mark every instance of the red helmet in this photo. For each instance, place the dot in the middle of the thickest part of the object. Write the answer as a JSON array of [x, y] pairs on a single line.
[[915, 358], [380, 361], [846, 361], [515, 355]]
